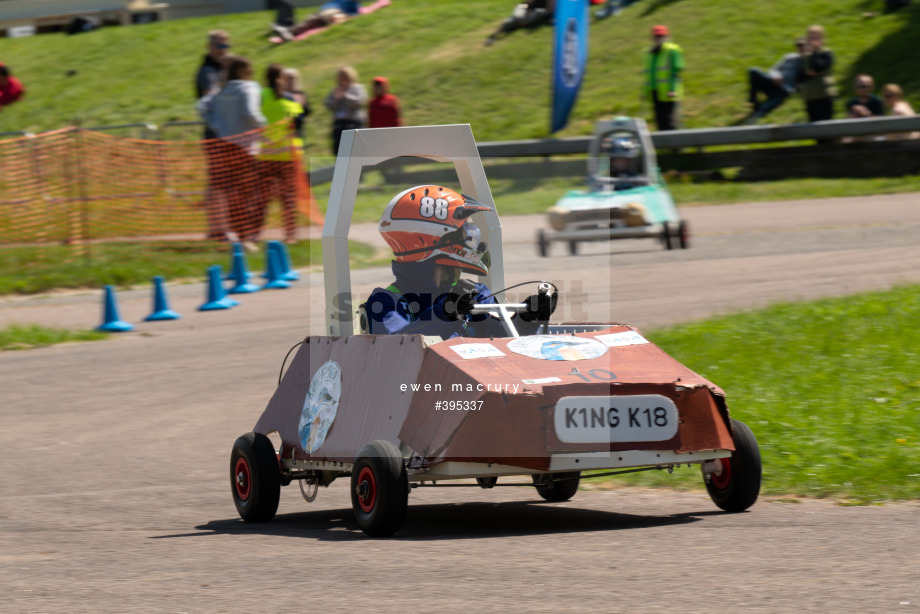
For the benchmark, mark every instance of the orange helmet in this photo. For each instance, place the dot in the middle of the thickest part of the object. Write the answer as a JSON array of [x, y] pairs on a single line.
[[430, 221]]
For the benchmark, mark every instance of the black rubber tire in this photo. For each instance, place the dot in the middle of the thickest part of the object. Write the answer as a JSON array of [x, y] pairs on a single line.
[[562, 487], [738, 490], [486, 483], [666, 236], [380, 470], [683, 235], [573, 248], [255, 478], [542, 244]]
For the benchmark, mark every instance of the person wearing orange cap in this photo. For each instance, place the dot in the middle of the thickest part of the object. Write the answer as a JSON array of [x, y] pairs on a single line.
[[663, 65]]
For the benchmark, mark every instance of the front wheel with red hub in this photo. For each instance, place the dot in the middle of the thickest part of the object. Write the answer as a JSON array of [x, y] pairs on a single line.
[[255, 478], [735, 484], [379, 489]]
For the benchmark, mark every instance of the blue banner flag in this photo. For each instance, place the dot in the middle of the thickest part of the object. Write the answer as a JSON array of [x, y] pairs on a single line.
[[569, 57]]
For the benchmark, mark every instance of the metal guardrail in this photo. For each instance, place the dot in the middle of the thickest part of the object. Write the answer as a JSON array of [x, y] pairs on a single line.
[[15, 134], [708, 137], [696, 138], [189, 130], [145, 131]]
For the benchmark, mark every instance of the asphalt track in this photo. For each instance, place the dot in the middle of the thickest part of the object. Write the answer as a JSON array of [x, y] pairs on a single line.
[[115, 490]]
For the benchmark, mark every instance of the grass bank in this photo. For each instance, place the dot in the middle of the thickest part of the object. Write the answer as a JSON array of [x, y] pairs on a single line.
[[831, 389], [434, 55]]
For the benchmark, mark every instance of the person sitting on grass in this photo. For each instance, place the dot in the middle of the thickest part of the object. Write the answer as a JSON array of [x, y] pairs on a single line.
[[328, 14], [865, 103], [528, 14], [775, 84]]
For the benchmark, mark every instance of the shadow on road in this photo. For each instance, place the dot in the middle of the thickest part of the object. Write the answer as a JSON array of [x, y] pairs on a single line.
[[447, 521]]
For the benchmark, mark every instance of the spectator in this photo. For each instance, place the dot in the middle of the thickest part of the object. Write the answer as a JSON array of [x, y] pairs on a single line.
[[207, 81], [865, 103], [347, 102], [208, 78], [776, 84], [663, 64], [528, 14], [897, 106], [11, 89], [292, 87], [816, 83], [234, 113], [285, 13], [383, 110], [279, 159], [328, 14]]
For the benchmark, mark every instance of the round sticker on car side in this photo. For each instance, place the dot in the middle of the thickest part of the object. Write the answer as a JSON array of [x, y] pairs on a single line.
[[557, 347], [320, 406]]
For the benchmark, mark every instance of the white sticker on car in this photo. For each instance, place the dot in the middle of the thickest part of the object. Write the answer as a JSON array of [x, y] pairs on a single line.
[[320, 406], [630, 337], [542, 380], [477, 350], [557, 347]]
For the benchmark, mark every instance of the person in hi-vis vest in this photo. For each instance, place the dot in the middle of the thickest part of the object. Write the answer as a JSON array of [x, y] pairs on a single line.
[[663, 64]]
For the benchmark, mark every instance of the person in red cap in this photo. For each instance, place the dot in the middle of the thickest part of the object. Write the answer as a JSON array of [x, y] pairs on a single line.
[[663, 64], [11, 89], [383, 110]]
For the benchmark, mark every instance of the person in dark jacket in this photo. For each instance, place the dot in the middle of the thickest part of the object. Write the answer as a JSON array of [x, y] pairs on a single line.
[[208, 81]]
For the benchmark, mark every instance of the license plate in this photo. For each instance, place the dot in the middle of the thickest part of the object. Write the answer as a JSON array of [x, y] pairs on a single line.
[[641, 417]]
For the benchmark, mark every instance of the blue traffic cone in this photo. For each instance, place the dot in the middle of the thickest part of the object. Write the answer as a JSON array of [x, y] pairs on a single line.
[[217, 299], [274, 272], [240, 275], [161, 310], [233, 275], [288, 274], [270, 247], [111, 322]]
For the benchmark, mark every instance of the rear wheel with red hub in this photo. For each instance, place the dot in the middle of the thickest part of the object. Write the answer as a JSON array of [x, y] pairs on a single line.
[[255, 478], [735, 485], [379, 489]]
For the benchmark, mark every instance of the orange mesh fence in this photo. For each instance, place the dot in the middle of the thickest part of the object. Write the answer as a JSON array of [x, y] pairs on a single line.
[[77, 187]]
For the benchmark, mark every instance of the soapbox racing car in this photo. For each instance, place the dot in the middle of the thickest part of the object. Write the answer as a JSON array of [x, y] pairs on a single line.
[[626, 196], [394, 413]]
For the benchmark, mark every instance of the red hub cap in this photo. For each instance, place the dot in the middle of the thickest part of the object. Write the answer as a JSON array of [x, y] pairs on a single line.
[[367, 490], [242, 479], [724, 479]]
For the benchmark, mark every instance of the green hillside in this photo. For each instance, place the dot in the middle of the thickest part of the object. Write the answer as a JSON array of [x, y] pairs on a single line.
[[433, 53]]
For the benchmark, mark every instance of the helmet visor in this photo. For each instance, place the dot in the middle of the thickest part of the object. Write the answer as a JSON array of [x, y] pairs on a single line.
[[468, 236]]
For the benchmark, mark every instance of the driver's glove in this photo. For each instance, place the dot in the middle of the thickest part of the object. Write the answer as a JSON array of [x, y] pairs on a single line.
[[539, 307]]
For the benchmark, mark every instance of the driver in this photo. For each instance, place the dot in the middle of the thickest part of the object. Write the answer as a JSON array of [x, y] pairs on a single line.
[[434, 240], [624, 163]]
